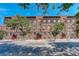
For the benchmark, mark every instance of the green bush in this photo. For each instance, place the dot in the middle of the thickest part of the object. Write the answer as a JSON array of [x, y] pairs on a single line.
[[1, 34]]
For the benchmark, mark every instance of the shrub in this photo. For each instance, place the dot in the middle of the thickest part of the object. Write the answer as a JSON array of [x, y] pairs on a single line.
[[1, 34]]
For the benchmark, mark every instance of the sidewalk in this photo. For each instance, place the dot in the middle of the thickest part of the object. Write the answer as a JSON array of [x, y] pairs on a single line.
[[32, 43], [67, 40], [42, 40]]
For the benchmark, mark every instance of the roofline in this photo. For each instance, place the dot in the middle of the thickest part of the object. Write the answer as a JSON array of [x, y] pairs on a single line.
[[43, 16]]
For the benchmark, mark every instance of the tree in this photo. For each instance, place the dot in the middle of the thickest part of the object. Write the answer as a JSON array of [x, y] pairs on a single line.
[[27, 6], [63, 7], [24, 25], [77, 24], [1, 34], [44, 6], [39, 5], [20, 23], [12, 23], [77, 15], [24, 5], [58, 27], [66, 6], [77, 30]]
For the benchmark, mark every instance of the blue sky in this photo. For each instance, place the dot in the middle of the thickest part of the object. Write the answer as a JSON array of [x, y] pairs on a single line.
[[11, 9]]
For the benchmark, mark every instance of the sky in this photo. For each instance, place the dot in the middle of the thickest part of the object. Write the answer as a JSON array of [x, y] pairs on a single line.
[[11, 9]]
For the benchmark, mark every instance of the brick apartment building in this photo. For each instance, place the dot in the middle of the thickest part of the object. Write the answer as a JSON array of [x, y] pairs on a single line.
[[42, 24], [3, 27]]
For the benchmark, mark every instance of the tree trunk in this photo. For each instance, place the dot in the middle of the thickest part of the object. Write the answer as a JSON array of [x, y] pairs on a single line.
[[54, 38]]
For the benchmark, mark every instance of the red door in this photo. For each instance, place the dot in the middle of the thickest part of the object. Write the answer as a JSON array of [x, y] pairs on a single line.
[[63, 36], [38, 36], [14, 37]]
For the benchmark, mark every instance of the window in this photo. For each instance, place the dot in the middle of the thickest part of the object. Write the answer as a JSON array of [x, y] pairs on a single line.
[[72, 32], [68, 26], [48, 27], [10, 33], [68, 20], [73, 26], [68, 32], [54, 20], [49, 21], [58, 20], [34, 32], [44, 20], [39, 20], [43, 27], [72, 20], [34, 21], [44, 32], [31, 21]]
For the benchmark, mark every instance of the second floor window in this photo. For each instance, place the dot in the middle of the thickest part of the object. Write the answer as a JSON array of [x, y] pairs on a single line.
[[59, 21], [44, 20], [54, 21]]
